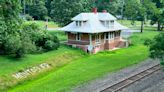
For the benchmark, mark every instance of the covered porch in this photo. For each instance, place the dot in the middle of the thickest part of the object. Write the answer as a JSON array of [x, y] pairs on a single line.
[[94, 42]]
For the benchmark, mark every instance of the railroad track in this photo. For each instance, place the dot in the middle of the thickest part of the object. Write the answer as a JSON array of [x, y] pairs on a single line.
[[128, 81]]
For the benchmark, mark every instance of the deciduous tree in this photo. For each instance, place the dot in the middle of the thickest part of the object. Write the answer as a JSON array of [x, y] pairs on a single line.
[[38, 10], [157, 48], [63, 10], [158, 14]]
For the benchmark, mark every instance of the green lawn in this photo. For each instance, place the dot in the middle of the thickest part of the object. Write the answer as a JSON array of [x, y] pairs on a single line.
[[10, 65], [56, 58], [128, 23], [60, 34], [42, 24], [89, 67], [139, 38], [137, 25], [85, 69]]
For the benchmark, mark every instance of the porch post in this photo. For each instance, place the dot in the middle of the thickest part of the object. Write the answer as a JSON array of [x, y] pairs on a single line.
[[90, 47], [90, 39]]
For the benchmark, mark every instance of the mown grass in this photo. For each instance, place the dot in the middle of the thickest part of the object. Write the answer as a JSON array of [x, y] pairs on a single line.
[[60, 34], [51, 24], [137, 25], [128, 23], [139, 38], [10, 65], [56, 58], [89, 67], [85, 69]]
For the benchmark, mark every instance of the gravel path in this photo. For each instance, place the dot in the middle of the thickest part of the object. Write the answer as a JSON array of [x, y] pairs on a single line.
[[112, 78]]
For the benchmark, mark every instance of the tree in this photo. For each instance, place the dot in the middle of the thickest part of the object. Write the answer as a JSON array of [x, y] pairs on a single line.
[[63, 10], [10, 29], [48, 6], [158, 14], [157, 48], [135, 11], [113, 6], [139, 10], [17, 39], [38, 10], [24, 4]]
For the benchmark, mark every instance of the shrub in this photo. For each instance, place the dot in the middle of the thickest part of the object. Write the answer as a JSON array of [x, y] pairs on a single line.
[[42, 39], [47, 17], [147, 42], [28, 17], [49, 45], [48, 42], [11, 44], [157, 48], [162, 63]]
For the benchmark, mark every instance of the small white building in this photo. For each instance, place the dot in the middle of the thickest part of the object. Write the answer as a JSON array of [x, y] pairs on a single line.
[[95, 31]]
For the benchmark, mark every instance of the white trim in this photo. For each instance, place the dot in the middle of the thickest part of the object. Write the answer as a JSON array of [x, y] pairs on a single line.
[[90, 39]]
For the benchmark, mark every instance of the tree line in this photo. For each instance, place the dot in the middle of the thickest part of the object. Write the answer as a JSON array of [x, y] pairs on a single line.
[[61, 11]]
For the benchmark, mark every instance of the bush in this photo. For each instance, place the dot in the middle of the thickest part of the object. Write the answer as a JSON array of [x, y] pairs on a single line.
[[162, 63], [11, 44], [29, 39], [48, 42], [42, 39], [28, 17], [147, 42], [157, 48], [47, 17], [49, 45]]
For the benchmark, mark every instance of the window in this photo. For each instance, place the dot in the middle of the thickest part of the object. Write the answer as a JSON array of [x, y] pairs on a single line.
[[79, 23], [117, 34], [97, 38], [107, 23], [107, 36], [78, 37], [103, 22], [111, 23], [111, 34]]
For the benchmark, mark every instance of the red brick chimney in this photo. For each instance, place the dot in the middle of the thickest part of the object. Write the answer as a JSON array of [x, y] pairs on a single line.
[[94, 10], [104, 11]]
